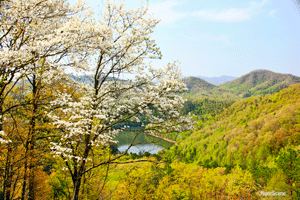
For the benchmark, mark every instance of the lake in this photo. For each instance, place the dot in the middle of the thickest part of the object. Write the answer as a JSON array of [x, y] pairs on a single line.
[[143, 143]]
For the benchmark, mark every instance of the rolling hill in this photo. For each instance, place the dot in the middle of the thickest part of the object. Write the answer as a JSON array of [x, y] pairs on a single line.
[[195, 84], [259, 82], [249, 132], [199, 88]]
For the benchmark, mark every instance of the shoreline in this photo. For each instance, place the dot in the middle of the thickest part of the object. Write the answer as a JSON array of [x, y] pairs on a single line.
[[163, 138]]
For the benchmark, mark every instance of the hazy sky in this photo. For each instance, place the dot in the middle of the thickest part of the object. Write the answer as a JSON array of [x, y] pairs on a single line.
[[231, 37]]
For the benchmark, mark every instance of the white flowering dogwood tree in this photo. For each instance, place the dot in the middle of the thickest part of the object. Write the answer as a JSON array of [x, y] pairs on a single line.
[[38, 38], [111, 98], [32, 30]]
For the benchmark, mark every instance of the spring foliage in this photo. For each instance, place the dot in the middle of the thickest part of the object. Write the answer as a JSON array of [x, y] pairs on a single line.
[[55, 133], [40, 40]]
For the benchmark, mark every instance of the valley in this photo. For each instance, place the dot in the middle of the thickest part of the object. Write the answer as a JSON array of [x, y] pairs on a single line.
[[106, 100], [248, 137]]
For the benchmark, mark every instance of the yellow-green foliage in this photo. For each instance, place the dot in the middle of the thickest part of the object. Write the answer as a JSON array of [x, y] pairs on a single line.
[[198, 88], [183, 181], [250, 131], [259, 82], [236, 154]]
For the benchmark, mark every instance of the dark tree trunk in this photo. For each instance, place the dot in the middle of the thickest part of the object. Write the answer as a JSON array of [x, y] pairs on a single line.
[[24, 180], [7, 175], [31, 184], [77, 184], [79, 173], [32, 140]]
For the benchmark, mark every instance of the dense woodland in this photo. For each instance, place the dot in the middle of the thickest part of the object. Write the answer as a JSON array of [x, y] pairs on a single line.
[[238, 140], [236, 152]]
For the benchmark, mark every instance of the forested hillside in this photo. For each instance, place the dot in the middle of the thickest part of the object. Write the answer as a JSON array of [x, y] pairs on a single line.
[[238, 150], [259, 82], [250, 133], [199, 88], [256, 128]]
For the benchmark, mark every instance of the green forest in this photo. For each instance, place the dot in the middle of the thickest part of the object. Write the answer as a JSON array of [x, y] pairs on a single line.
[[238, 150], [243, 150], [59, 130]]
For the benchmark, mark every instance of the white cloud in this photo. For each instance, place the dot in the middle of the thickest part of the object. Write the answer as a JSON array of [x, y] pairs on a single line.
[[231, 14], [164, 11], [256, 5], [272, 13], [222, 38], [225, 15]]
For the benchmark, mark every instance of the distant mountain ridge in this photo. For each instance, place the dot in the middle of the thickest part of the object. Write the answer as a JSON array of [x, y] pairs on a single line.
[[195, 84], [257, 82], [218, 80], [198, 87]]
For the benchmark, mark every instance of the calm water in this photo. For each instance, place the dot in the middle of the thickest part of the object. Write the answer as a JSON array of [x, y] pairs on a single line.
[[143, 143]]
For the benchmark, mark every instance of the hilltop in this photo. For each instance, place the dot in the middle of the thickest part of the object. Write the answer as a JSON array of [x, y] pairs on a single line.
[[199, 88], [259, 82], [195, 84]]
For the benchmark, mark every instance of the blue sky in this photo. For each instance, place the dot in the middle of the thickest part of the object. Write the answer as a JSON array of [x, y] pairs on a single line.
[[232, 37]]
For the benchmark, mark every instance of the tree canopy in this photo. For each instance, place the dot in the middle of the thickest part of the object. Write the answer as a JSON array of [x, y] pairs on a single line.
[[40, 40]]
